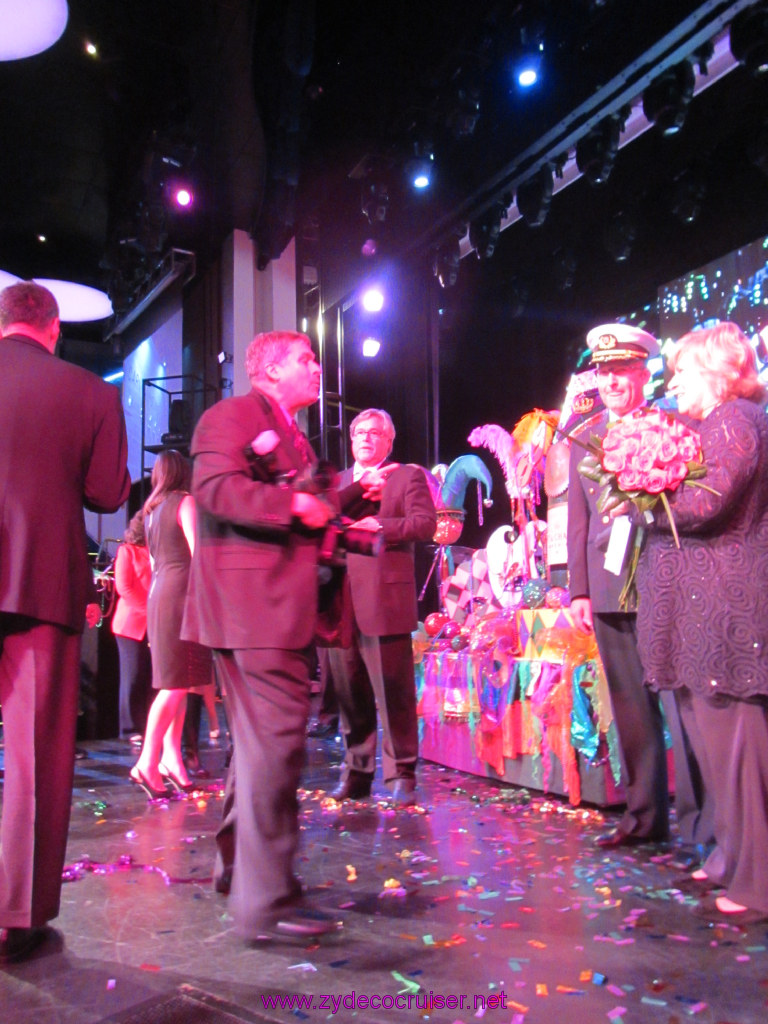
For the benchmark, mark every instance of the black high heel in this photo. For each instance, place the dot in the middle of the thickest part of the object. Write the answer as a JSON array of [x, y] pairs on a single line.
[[139, 780], [177, 784]]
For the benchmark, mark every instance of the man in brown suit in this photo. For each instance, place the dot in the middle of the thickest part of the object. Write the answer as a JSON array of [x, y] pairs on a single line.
[[62, 446], [253, 598], [376, 670]]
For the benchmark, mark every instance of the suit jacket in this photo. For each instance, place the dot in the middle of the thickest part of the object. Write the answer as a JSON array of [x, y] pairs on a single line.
[[253, 579], [62, 446], [383, 589], [133, 575], [589, 533]]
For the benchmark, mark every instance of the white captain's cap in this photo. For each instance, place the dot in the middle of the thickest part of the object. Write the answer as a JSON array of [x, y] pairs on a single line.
[[611, 343]]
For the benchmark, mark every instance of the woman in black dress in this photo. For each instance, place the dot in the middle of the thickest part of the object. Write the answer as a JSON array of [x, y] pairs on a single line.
[[702, 620], [177, 665]]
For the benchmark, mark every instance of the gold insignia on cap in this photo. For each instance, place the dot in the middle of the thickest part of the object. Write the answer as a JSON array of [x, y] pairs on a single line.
[[607, 341], [583, 404]]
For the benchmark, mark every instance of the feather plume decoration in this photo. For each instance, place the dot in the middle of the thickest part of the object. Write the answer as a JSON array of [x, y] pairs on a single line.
[[500, 443]]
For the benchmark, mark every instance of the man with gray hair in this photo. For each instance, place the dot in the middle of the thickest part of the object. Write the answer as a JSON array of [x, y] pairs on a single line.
[[62, 446], [376, 669]]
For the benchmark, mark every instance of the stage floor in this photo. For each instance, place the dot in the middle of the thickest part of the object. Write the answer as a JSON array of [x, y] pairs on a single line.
[[482, 891]]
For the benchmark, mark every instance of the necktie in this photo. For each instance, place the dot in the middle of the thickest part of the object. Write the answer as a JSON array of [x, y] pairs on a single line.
[[300, 443]]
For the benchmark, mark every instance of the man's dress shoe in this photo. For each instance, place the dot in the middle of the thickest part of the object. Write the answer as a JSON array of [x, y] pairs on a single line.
[[300, 924], [616, 837], [403, 792], [354, 786], [18, 943]]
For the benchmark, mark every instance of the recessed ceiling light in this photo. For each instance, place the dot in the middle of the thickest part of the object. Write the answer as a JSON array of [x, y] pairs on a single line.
[[30, 27]]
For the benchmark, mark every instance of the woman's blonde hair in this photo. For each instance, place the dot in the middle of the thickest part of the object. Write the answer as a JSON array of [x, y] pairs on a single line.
[[724, 353], [169, 473]]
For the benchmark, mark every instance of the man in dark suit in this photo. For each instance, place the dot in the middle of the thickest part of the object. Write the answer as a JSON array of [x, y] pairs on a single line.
[[253, 598], [599, 549], [62, 446], [376, 669]]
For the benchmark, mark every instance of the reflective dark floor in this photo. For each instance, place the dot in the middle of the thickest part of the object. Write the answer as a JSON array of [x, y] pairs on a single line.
[[493, 896]]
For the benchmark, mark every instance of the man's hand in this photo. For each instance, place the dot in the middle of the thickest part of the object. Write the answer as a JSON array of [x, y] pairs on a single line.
[[581, 613], [310, 510], [373, 481]]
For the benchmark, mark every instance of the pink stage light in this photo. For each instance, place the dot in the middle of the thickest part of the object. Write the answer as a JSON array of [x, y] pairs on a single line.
[[183, 197]]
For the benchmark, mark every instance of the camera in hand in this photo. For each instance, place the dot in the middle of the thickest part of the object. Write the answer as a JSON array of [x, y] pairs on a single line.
[[341, 535]]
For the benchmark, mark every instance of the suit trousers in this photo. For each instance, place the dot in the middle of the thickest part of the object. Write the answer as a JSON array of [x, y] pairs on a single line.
[[730, 738], [268, 699], [377, 671], [39, 686], [136, 693], [639, 725]]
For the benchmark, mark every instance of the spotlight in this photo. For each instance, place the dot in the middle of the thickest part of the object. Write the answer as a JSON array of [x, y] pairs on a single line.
[[534, 197], [666, 99], [596, 151], [688, 191], [446, 263], [529, 60], [369, 248], [371, 347], [463, 117], [619, 235], [420, 169], [749, 38], [375, 202], [484, 231], [373, 300], [224, 357], [563, 268]]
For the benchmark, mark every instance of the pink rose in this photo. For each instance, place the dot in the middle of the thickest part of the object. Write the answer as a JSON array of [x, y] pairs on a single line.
[[614, 462], [668, 451], [645, 460], [676, 472], [655, 482], [688, 449], [630, 480]]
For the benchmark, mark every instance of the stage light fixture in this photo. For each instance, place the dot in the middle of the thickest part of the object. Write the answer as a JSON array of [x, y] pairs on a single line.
[[375, 202], [688, 191], [529, 66], [484, 231], [619, 236], [666, 99], [224, 357], [749, 38], [596, 151], [371, 347], [420, 169], [373, 300], [534, 197], [446, 263], [465, 112]]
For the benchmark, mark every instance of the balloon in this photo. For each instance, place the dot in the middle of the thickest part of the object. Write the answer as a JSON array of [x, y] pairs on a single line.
[[449, 526], [434, 623], [557, 597], [459, 642], [451, 629]]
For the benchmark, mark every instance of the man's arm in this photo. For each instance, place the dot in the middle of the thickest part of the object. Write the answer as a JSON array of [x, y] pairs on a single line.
[[419, 520], [107, 481], [578, 533]]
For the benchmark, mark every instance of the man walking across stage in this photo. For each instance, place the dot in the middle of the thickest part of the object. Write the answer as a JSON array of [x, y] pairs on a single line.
[[62, 446], [376, 670], [253, 598], [596, 578]]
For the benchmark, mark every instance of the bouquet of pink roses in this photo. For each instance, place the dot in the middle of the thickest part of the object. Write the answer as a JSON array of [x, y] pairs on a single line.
[[640, 458]]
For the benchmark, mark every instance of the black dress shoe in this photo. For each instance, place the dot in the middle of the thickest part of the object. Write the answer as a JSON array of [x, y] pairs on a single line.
[[617, 837], [403, 792], [300, 924], [355, 786], [323, 730], [18, 943]]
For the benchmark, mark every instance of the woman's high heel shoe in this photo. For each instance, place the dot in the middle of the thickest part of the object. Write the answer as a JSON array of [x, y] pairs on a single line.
[[177, 784], [137, 778]]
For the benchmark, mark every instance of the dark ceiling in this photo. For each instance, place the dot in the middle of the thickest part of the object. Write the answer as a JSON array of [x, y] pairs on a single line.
[[295, 115]]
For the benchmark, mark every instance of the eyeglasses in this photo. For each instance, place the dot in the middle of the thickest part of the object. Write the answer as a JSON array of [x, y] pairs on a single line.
[[374, 434]]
